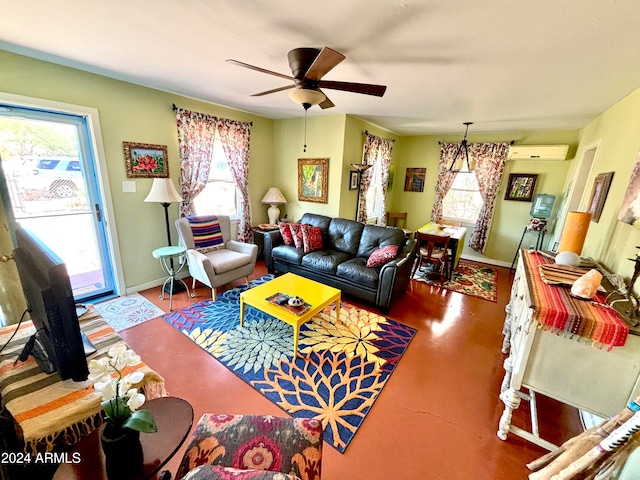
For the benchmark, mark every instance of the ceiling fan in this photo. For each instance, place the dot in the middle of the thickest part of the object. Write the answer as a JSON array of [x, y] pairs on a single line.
[[308, 66]]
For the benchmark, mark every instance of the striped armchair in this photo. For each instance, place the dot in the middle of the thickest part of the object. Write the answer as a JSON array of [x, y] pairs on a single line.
[[256, 447]]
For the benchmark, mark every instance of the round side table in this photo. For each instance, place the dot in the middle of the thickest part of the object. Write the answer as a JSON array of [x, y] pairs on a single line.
[[166, 256], [174, 418]]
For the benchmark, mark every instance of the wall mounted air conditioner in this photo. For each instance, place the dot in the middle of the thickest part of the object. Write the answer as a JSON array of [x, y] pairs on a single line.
[[538, 152]]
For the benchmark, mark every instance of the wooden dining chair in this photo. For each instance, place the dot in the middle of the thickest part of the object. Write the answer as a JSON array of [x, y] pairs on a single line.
[[392, 219], [433, 249]]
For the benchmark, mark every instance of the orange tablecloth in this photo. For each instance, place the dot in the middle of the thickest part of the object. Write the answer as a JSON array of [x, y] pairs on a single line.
[[48, 411], [557, 310]]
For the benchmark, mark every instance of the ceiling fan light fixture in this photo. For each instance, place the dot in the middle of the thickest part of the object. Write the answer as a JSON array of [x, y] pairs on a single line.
[[306, 97]]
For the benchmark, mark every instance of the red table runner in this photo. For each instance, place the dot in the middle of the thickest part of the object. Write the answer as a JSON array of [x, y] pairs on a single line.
[[557, 310]]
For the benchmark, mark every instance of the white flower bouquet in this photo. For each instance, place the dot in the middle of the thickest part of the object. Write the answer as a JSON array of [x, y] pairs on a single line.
[[121, 402]]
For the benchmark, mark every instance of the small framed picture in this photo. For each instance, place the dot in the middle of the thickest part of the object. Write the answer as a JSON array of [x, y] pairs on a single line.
[[521, 186], [144, 160], [599, 194], [414, 179], [353, 180]]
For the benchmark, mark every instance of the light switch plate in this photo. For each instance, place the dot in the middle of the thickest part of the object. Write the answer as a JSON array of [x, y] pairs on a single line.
[[128, 186]]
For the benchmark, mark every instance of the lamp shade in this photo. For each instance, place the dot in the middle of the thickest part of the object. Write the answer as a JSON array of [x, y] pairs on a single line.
[[361, 167], [574, 232], [305, 96], [163, 191], [274, 197]]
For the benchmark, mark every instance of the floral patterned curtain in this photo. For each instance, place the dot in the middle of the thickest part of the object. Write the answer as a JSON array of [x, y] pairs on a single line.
[[490, 160], [235, 138], [373, 146], [386, 146], [445, 177], [196, 133]]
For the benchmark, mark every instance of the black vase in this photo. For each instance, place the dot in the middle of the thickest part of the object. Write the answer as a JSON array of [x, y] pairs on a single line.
[[122, 451]]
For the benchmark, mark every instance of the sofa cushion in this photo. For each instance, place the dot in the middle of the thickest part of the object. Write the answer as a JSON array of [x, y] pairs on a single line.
[[355, 270], [325, 261], [382, 255], [374, 237], [288, 254], [311, 238], [344, 236], [296, 233], [316, 220], [285, 231], [206, 230]]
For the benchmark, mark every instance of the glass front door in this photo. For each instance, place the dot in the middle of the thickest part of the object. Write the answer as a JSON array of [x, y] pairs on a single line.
[[49, 185]]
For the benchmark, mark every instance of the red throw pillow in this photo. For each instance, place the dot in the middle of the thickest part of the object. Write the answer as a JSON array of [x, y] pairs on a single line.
[[311, 238], [296, 233], [285, 231], [382, 255]]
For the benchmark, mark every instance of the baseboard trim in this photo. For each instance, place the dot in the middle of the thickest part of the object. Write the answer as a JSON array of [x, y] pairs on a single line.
[[153, 283], [489, 261]]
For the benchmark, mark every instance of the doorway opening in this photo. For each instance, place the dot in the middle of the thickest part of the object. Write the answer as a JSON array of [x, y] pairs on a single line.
[[49, 185]]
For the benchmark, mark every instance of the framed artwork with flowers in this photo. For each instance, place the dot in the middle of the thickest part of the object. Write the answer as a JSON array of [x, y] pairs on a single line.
[[144, 160]]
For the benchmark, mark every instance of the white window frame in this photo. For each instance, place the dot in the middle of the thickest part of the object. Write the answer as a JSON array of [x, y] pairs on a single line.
[[454, 189]]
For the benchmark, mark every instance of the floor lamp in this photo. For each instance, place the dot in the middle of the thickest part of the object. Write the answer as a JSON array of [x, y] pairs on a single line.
[[163, 192], [360, 168]]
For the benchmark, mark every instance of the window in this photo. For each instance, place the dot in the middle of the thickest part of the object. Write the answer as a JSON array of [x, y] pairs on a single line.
[[220, 195], [375, 209], [463, 201]]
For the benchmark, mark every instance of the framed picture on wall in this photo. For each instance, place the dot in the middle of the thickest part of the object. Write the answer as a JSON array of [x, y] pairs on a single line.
[[521, 186], [599, 193], [313, 179], [144, 160], [353, 180], [414, 179]]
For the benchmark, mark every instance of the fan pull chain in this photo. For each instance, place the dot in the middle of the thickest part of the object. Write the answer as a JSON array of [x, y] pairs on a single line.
[[305, 131]]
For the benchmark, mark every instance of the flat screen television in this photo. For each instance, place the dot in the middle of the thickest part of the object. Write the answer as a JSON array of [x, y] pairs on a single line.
[[58, 344]]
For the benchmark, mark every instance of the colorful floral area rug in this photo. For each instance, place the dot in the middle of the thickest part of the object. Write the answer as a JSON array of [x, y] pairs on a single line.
[[474, 280], [341, 367], [128, 311]]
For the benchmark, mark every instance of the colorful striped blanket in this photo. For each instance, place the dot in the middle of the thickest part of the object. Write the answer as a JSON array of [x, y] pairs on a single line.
[[206, 231], [558, 311], [49, 412]]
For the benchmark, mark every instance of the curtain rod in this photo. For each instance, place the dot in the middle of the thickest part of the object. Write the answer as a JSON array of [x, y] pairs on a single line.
[[174, 108], [441, 143], [366, 132]]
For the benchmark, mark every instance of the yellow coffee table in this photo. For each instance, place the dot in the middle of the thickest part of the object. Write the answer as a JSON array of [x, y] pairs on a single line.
[[315, 294]]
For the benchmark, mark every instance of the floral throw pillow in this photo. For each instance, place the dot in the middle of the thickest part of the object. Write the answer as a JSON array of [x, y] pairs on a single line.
[[285, 231], [296, 233], [382, 255], [311, 238]]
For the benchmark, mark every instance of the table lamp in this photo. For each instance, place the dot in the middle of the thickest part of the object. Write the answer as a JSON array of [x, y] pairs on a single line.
[[273, 197], [574, 232]]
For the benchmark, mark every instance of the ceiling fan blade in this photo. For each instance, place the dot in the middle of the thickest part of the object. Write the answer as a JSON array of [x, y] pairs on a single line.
[[326, 103], [324, 62], [258, 69], [267, 92], [366, 88]]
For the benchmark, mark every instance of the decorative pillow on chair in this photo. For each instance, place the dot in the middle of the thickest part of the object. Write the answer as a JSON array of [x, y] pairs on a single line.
[[285, 231], [206, 231], [311, 238], [296, 233], [382, 255]]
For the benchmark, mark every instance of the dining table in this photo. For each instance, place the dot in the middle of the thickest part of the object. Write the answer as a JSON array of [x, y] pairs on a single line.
[[456, 240]]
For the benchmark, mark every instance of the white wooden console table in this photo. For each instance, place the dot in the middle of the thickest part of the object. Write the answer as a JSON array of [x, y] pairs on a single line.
[[560, 364]]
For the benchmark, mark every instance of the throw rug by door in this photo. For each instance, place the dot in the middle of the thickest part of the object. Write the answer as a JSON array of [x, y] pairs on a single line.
[[474, 280], [341, 367]]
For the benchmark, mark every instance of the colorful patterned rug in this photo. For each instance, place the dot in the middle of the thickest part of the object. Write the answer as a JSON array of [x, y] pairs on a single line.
[[341, 367], [474, 280], [128, 311]]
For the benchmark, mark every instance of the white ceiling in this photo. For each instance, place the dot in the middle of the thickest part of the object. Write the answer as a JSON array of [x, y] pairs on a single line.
[[504, 64]]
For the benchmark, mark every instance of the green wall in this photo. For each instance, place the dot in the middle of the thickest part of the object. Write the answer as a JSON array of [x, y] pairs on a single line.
[[510, 217], [618, 131], [133, 113]]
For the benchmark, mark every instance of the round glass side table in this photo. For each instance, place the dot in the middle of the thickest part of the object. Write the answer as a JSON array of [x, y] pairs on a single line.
[[166, 256]]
